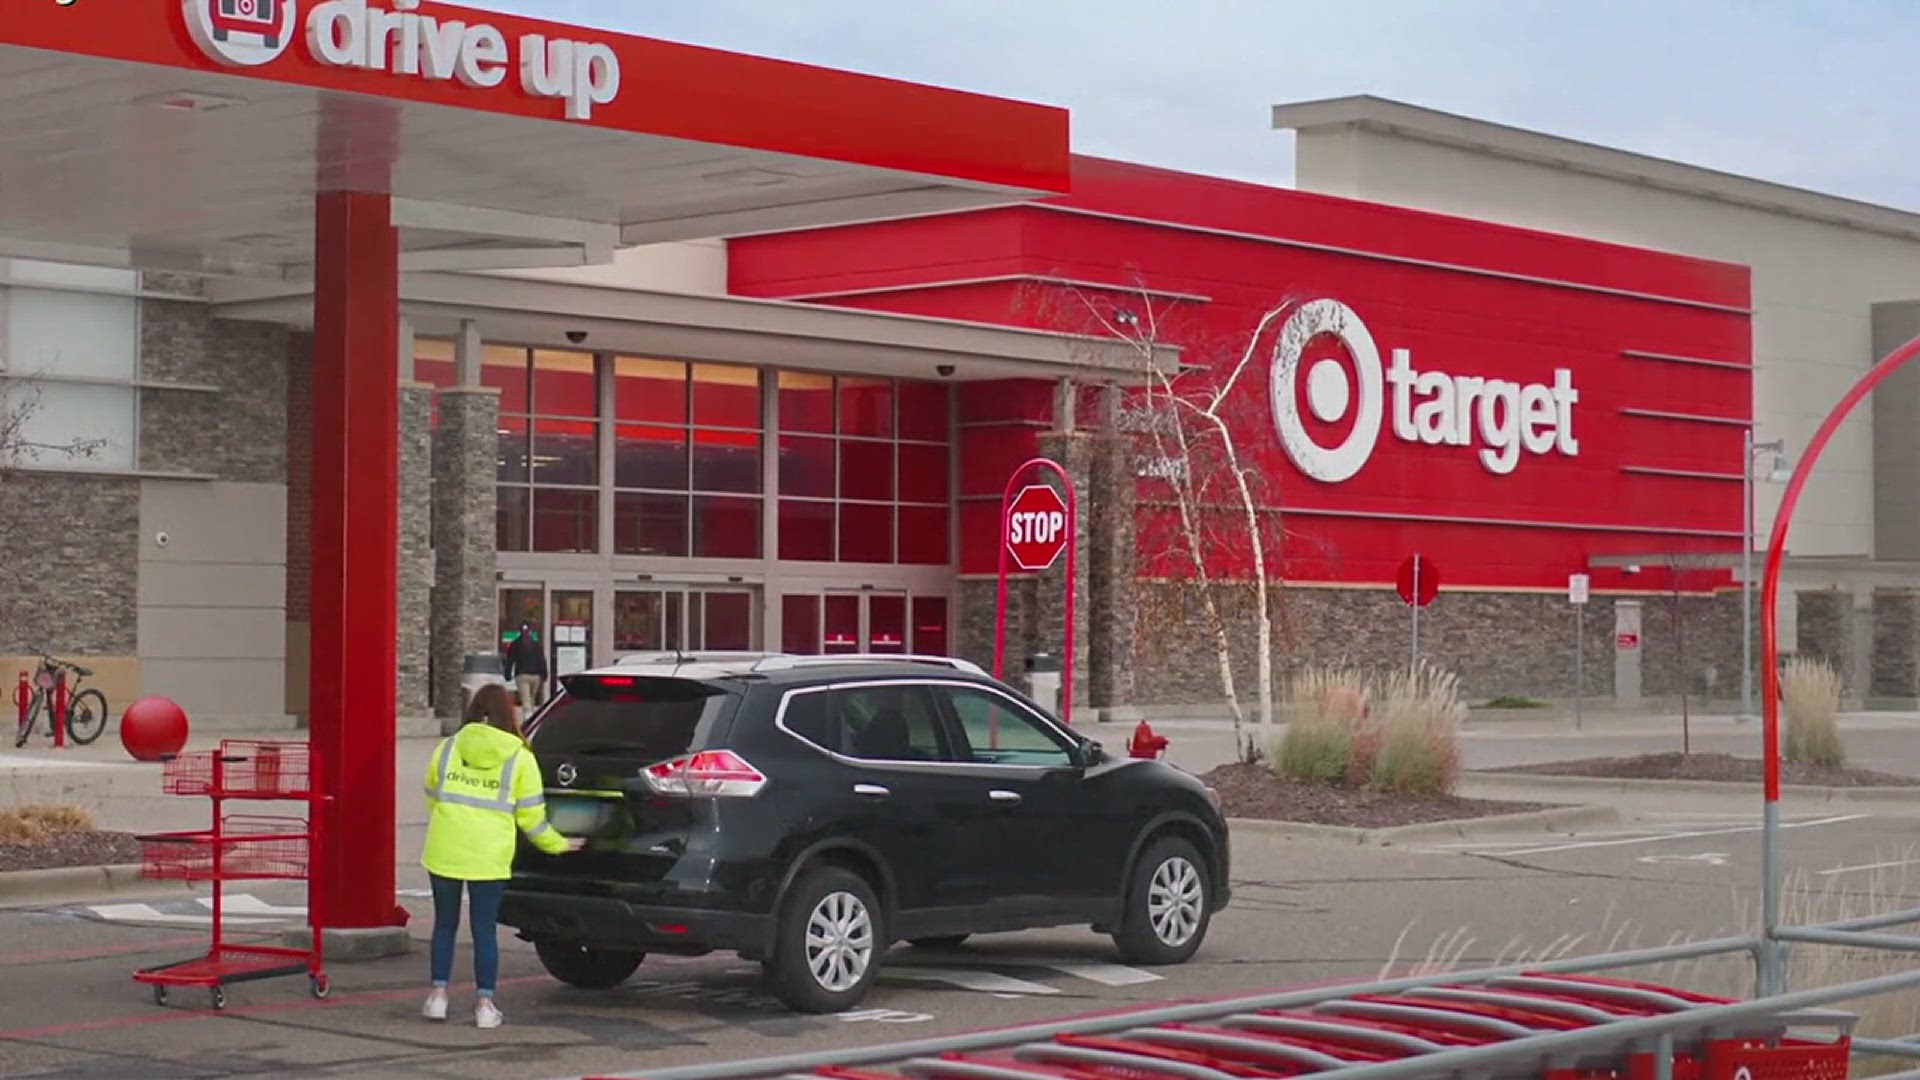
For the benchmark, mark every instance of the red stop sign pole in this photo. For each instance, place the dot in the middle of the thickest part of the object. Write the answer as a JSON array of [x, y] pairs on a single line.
[[1417, 583], [1036, 525]]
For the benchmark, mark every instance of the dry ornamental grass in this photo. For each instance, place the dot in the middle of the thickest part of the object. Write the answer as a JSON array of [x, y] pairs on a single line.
[[1398, 734], [38, 824], [1810, 694]]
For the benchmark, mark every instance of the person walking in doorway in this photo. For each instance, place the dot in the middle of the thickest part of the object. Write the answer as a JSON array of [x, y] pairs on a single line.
[[527, 667], [483, 787]]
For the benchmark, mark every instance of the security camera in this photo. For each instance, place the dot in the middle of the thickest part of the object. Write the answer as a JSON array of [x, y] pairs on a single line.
[[161, 539], [943, 369], [576, 336], [1633, 568]]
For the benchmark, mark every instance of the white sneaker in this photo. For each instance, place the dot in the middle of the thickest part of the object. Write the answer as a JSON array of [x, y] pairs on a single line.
[[487, 1014], [436, 1006]]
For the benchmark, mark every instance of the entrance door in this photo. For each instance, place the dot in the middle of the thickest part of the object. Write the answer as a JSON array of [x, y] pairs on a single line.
[[667, 618], [863, 621], [571, 633], [522, 604]]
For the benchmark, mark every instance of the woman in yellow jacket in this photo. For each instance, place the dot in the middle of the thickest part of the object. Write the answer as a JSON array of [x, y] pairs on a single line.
[[483, 786]]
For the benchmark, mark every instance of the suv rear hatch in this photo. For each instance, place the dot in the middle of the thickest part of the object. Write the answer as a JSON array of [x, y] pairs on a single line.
[[597, 743]]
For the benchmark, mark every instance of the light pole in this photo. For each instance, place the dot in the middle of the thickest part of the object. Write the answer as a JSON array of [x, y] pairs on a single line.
[[1778, 473]]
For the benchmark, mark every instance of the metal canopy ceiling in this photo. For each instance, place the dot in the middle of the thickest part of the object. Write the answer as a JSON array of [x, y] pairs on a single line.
[[145, 154]]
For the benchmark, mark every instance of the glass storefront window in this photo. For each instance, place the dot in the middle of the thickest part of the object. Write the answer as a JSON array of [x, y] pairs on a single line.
[[866, 533], [923, 473], [800, 624], [726, 395], [866, 470], [866, 407], [924, 411], [514, 452], [806, 402], [510, 519], [923, 535], [566, 520], [930, 625], [505, 368], [726, 461], [806, 466], [806, 530], [650, 456], [566, 452], [726, 528], [564, 384], [652, 391], [648, 524]]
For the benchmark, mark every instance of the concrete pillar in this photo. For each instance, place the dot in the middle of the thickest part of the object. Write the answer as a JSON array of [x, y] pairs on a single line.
[[465, 448], [356, 541], [414, 640], [1894, 674], [1828, 629]]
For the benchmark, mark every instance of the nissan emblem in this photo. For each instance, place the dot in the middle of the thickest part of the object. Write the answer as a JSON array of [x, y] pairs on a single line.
[[567, 774]]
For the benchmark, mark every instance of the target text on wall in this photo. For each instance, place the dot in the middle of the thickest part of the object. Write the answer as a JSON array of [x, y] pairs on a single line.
[[1502, 420]]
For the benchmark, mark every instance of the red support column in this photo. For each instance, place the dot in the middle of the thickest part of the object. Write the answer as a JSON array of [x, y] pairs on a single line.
[[355, 526]]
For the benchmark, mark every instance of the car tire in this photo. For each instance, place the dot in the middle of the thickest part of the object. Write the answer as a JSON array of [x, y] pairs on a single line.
[[587, 969], [1167, 906], [941, 944], [827, 947]]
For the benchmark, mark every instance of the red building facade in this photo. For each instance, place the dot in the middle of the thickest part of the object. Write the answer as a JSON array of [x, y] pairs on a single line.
[[1508, 404]]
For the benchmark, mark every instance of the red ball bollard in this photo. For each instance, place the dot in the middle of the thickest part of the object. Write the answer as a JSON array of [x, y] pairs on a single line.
[[153, 728]]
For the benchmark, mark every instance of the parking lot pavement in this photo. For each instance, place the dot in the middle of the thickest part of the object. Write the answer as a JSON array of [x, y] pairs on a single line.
[[1303, 912]]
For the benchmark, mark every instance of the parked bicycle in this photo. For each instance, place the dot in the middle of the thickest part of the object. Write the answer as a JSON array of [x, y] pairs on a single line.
[[86, 709]]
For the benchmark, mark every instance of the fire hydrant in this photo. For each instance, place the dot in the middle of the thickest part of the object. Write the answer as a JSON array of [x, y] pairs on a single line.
[[1146, 744]]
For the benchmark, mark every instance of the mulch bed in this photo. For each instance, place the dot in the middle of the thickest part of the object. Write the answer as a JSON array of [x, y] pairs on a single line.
[[1711, 767], [71, 849], [1253, 791]]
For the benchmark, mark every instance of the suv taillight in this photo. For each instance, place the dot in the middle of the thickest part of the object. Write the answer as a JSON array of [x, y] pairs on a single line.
[[709, 772]]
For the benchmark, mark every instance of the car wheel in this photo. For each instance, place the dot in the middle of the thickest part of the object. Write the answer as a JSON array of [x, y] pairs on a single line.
[[1167, 906], [827, 947], [587, 969], [950, 941]]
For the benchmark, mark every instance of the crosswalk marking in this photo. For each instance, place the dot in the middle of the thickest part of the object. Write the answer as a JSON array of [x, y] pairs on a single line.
[[985, 982], [147, 913], [1107, 974]]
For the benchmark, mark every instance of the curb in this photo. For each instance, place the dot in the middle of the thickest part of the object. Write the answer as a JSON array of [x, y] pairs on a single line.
[[74, 883], [1506, 783], [1556, 819]]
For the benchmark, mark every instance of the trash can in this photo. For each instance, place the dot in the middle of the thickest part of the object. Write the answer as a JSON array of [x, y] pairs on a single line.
[[1043, 682], [479, 669]]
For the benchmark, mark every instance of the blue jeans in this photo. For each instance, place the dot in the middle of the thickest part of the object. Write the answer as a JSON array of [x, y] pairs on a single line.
[[484, 913]]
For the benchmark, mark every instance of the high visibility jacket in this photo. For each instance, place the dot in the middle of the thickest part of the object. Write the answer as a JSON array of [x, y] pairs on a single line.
[[483, 785]]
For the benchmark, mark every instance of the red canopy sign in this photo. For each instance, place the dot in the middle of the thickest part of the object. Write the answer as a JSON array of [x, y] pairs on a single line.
[[1036, 527]]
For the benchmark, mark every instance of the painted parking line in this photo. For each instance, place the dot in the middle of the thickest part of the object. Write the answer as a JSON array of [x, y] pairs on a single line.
[[979, 981], [1107, 974], [1868, 866], [1582, 845], [147, 914]]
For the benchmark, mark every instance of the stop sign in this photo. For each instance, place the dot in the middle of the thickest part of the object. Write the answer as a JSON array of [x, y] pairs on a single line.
[[1036, 527]]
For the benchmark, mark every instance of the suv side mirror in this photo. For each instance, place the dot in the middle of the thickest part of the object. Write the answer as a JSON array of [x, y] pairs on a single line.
[[1091, 753]]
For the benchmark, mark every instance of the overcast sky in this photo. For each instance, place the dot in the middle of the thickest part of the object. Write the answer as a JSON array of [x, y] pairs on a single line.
[[1816, 94]]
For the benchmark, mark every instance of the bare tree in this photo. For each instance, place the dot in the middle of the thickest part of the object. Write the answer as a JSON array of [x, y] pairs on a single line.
[[19, 444], [1183, 421]]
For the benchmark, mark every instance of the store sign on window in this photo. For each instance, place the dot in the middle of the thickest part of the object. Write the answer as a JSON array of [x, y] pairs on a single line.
[[1502, 421], [355, 34]]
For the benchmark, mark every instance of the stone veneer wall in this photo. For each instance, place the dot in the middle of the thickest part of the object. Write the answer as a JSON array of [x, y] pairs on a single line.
[[465, 449], [70, 571], [415, 563], [1498, 643], [239, 433]]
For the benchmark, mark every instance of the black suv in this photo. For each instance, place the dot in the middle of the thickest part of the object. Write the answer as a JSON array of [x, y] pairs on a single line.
[[807, 813]]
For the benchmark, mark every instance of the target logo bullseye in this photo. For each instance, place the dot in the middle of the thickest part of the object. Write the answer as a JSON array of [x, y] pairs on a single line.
[[1503, 419]]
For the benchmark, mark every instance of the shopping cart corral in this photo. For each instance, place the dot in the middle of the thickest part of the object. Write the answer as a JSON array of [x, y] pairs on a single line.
[[1555, 1021]]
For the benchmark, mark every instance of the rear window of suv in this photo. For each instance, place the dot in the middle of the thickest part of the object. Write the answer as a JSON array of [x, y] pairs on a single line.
[[629, 716]]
